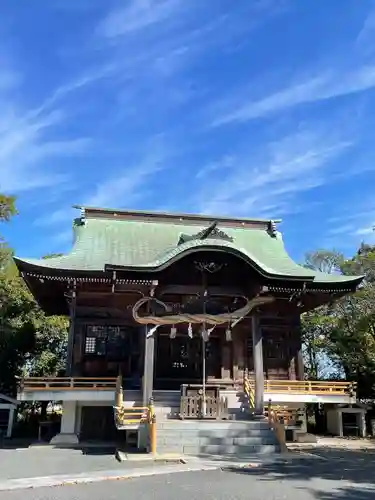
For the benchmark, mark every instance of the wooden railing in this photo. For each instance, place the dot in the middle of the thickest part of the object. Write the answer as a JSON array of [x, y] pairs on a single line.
[[288, 416], [270, 386], [248, 390], [67, 384], [322, 387], [310, 387], [132, 415], [277, 425]]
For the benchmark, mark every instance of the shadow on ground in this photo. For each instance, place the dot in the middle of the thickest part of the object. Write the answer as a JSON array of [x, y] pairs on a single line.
[[346, 494], [351, 471]]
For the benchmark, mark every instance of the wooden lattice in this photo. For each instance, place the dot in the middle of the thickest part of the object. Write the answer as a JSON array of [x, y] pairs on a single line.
[[192, 407]]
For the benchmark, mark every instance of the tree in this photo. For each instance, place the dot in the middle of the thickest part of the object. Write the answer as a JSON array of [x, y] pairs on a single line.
[[51, 342], [353, 338], [7, 207], [17, 331], [30, 342], [326, 261], [317, 324], [7, 211], [343, 334]]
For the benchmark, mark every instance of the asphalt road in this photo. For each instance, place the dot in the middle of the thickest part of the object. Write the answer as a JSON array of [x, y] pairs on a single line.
[[274, 482]]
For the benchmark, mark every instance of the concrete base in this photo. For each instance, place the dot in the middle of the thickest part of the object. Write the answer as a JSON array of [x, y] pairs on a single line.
[[305, 437], [123, 456], [65, 439]]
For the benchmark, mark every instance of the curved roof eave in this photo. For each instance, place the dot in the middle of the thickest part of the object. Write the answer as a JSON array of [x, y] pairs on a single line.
[[181, 251], [65, 264]]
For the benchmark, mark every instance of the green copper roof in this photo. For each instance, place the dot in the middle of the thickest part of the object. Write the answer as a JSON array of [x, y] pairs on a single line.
[[152, 244]]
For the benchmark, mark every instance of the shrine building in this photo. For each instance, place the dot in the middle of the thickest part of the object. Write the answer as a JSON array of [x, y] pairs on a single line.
[[176, 303]]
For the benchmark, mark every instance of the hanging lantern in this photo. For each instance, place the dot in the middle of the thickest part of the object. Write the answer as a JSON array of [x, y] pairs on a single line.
[[228, 334], [190, 331], [173, 333], [205, 334]]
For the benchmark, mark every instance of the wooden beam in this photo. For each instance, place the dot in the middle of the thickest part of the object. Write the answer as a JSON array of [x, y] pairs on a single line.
[[192, 290]]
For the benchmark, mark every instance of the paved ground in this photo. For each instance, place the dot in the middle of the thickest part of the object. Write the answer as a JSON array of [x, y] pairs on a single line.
[[280, 483], [49, 461], [337, 474]]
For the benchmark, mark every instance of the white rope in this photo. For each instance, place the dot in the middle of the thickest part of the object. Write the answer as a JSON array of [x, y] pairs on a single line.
[[209, 319]]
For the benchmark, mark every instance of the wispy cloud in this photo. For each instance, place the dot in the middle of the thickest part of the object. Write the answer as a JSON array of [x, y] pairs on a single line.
[[25, 146], [157, 42], [132, 184], [266, 182], [365, 36], [31, 136], [123, 186], [355, 221], [137, 15], [326, 85], [139, 68]]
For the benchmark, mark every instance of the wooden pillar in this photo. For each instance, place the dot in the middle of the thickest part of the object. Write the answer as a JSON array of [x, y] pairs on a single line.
[[300, 368], [148, 369], [258, 364], [72, 316]]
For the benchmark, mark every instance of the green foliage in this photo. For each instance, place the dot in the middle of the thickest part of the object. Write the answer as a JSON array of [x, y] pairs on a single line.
[[344, 332], [30, 342], [52, 255], [51, 335], [7, 207], [17, 331], [7, 210]]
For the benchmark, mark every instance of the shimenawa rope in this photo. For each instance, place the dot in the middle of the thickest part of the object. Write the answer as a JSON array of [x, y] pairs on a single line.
[[208, 319]]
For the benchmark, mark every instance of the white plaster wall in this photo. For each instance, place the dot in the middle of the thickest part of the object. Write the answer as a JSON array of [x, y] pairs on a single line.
[[293, 400], [67, 396], [68, 419], [333, 425]]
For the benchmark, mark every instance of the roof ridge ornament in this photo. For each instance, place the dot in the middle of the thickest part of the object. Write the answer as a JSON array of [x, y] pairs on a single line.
[[272, 229], [211, 231]]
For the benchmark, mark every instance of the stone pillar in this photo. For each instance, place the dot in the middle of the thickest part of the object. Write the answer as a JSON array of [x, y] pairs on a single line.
[[10, 422], [258, 365], [67, 433], [148, 370]]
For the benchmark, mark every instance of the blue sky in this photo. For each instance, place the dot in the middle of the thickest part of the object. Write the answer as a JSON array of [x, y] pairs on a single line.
[[256, 108]]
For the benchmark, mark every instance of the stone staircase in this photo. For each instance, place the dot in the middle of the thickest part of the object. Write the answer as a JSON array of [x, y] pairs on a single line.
[[167, 404], [237, 438]]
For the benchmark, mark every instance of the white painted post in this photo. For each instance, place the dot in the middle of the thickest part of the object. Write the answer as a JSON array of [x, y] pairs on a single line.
[[340, 424], [361, 416], [67, 433]]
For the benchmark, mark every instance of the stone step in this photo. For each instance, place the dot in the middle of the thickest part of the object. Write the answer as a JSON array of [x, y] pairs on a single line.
[[234, 450], [212, 435], [210, 440], [208, 426]]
